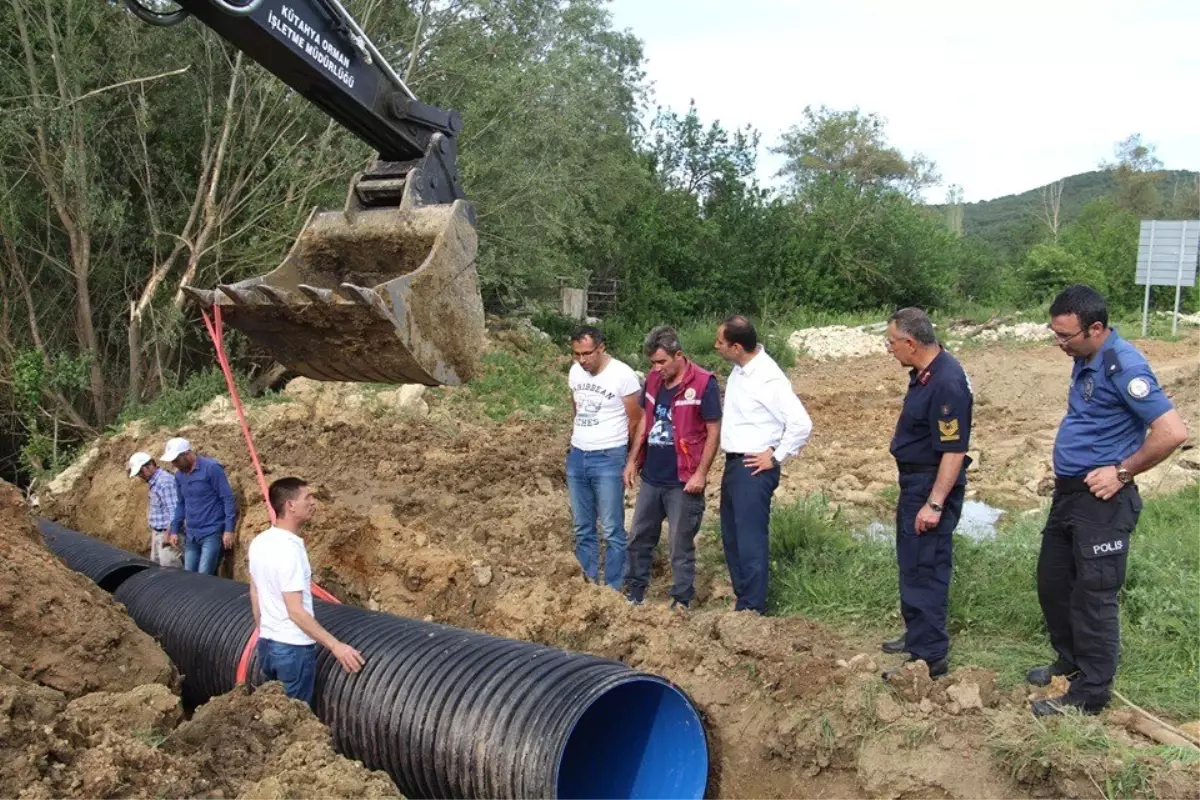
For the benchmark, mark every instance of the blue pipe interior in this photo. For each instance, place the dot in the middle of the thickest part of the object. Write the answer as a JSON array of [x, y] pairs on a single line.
[[640, 739]]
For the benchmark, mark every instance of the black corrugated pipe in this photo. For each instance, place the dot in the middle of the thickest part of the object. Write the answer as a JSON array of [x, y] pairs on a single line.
[[108, 566], [448, 712]]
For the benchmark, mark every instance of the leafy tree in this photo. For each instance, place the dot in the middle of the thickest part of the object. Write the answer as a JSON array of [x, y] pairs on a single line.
[[1136, 170], [851, 148]]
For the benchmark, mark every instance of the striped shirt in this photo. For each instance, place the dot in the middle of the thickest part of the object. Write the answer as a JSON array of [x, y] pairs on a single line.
[[163, 498]]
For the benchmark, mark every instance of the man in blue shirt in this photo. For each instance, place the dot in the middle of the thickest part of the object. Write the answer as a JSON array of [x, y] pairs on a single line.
[[930, 447], [205, 508], [1101, 445], [160, 509]]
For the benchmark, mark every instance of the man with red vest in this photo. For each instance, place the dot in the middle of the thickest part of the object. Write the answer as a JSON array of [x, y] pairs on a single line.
[[674, 447]]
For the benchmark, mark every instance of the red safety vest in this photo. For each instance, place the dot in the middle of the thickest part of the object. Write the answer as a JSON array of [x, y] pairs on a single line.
[[691, 432]]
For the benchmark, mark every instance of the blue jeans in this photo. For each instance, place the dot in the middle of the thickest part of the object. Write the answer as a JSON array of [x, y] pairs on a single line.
[[745, 521], [598, 492], [294, 665], [202, 555]]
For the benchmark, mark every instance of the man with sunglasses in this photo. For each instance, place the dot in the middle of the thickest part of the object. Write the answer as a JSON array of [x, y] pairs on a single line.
[[1102, 444], [604, 396], [930, 447]]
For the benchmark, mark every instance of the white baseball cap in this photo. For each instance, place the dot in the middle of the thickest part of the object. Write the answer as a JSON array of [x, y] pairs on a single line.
[[137, 461], [175, 448]]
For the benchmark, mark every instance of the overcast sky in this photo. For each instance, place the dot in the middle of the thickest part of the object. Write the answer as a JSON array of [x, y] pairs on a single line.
[[1004, 96]]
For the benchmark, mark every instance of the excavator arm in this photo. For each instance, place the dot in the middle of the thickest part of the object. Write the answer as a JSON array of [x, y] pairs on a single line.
[[384, 289]]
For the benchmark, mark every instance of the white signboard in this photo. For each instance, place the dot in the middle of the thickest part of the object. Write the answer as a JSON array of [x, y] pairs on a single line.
[[1167, 255]]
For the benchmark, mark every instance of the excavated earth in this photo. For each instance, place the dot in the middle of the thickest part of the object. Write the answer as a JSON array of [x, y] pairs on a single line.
[[430, 510], [89, 704]]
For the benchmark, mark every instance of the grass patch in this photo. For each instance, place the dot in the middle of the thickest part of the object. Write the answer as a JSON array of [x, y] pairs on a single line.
[[995, 620], [1076, 747], [172, 407], [531, 379]]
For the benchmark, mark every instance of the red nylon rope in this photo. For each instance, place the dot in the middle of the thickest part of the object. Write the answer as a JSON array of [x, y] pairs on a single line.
[[216, 332]]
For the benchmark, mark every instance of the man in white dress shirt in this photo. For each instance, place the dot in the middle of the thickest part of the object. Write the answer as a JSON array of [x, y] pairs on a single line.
[[764, 425]]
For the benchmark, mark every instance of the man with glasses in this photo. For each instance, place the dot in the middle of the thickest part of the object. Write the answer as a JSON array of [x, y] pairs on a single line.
[[930, 448], [1101, 445], [604, 395]]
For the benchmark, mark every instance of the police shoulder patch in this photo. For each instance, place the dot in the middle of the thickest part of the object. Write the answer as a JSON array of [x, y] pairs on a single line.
[[1139, 388], [948, 428]]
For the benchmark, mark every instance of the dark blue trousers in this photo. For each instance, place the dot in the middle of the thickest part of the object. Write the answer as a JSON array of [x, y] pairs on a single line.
[[745, 516], [925, 563]]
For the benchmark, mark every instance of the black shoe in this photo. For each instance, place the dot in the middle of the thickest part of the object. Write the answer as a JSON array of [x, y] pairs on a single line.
[[1057, 706], [634, 600], [1041, 676], [937, 668], [896, 645], [679, 605]]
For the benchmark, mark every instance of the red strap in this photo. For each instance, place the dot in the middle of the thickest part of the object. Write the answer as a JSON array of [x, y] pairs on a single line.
[[216, 331]]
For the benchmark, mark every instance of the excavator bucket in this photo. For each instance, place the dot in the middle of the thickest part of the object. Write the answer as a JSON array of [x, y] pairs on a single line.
[[386, 295]]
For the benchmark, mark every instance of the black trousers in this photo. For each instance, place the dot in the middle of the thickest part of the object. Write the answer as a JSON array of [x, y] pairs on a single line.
[[1085, 549]]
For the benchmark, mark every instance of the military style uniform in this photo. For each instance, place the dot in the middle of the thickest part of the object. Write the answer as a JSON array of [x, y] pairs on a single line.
[[936, 419], [1114, 397]]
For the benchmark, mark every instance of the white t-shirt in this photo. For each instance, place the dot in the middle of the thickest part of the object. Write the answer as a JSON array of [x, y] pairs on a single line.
[[278, 564], [600, 419]]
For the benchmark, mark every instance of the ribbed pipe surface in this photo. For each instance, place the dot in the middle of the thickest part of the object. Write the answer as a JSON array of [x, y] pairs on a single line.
[[108, 566], [201, 621], [448, 712]]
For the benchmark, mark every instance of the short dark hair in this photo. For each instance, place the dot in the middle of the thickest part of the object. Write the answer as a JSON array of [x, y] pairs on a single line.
[[588, 332], [914, 322], [1082, 301], [662, 338], [739, 330], [282, 490]]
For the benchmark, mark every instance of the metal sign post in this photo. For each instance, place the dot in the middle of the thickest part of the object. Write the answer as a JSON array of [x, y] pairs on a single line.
[[1167, 255]]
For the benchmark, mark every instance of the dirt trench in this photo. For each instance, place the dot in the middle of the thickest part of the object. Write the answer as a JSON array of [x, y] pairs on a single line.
[[89, 705], [430, 512]]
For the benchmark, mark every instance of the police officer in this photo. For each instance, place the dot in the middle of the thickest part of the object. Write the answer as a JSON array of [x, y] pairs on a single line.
[[930, 448], [1101, 445]]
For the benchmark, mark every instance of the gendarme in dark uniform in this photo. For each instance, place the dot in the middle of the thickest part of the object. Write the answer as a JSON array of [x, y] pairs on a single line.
[[935, 420], [1113, 398]]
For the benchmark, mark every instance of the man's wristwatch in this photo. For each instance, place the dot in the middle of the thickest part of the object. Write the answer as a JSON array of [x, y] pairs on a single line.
[[1124, 475], [935, 506], [774, 461]]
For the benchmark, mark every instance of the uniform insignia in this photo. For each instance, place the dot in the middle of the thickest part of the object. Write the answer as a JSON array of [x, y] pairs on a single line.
[[924, 378], [948, 428], [1089, 388], [1139, 388], [945, 411], [689, 393]]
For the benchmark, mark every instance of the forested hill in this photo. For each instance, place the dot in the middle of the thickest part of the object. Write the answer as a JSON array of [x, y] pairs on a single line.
[[1005, 219]]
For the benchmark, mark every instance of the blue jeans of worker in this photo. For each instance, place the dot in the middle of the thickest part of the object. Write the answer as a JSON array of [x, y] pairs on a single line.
[[745, 521], [293, 665], [202, 555], [925, 563], [598, 494]]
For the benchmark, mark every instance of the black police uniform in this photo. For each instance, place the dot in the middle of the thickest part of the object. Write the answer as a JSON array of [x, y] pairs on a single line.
[[1114, 396], [936, 419]]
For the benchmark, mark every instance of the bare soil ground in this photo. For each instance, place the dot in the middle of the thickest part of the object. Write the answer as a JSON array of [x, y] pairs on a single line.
[[88, 707], [429, 513]]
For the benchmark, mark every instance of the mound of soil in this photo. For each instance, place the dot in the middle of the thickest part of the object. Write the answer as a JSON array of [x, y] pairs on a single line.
[[259, 745], [57, 628]]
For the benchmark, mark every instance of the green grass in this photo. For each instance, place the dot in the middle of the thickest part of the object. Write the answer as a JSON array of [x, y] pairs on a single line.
[[171, 408], [995, 621], [532, 381], [1077, 745]]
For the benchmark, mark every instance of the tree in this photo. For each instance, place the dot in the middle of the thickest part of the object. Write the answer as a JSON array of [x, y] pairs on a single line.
[[690, 158], [1137, 172], [954, 209], [850, 148], [1052, 207]]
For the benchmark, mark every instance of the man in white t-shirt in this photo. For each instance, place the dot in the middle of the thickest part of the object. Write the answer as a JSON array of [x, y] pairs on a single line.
[[604, 394], [281, 597]]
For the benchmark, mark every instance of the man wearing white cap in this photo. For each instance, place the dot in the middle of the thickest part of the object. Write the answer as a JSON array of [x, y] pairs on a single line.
[[205, 509], [163, 499]]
